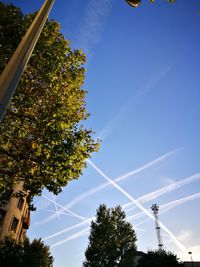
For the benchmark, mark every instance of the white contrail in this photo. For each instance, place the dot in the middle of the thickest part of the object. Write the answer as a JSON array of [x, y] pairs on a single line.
[[168, 206], [134, 201], [145, 88], [76, 235], [146, 166], [106, 184], [70, 212], [122, 177], [164, 190], [91, 28], [70, 228], [163, 209], [169, 188], [155, 79], [56, 208], [53, 211], [74, 227]]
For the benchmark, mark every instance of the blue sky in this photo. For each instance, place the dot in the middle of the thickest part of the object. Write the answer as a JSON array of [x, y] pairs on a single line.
[[143, 83]]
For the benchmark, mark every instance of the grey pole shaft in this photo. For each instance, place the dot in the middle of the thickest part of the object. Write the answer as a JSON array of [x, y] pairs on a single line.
[[11, 75]]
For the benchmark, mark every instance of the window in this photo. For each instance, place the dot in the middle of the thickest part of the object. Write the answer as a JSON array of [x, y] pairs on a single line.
[[14, 224], [20, 235], [2, 215], [20, 203]]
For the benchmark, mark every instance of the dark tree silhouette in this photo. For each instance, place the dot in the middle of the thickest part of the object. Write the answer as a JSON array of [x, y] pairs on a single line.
[[111, 241], [159, 258], [29, 254]]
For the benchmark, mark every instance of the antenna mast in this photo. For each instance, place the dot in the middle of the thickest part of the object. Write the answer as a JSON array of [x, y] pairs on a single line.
[[155, 209]]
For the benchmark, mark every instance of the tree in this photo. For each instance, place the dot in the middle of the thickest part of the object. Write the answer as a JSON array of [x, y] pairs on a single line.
[[29, 254], [159, 258], [37, 254], [111, 241], [42, 141], [11, 253]]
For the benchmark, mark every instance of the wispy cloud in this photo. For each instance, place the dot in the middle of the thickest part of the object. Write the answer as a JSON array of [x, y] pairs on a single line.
[[90, 32], [135, 202], [184, 235]]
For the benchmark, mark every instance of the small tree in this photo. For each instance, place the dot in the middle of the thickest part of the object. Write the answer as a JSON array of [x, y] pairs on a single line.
[[111, 241], [11, 253], [37, 254], [159, 258], [29, 254]]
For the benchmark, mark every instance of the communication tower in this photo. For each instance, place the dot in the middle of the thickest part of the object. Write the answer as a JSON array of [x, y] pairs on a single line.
[[155, 209]]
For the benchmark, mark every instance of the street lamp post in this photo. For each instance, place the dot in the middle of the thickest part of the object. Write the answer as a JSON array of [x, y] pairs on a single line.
[[10, 77], [134, 3], [190, 253]]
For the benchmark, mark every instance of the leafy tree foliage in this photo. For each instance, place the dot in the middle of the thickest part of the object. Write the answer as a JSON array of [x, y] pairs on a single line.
[[159, 258], [29, 254], [42, 141], [111, 241]]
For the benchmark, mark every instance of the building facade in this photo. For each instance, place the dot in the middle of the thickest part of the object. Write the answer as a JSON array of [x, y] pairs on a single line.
[[15, 217]]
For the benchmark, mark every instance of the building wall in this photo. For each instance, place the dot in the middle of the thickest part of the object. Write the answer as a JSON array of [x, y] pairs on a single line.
[[15, 217]]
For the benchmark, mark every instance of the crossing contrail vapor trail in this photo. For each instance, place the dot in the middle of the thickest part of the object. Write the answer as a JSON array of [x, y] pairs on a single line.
[[73, 227], [53, 211], [122, 177], [170, 187], [69, 211], [173, 204], [163, 208], [106, 184], [168, 206], [165, 189], [56, 208], [134, 201]]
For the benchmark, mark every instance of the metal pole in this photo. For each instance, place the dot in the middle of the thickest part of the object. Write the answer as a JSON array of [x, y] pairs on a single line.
[[155, 209], [11, 75], [190, 253]]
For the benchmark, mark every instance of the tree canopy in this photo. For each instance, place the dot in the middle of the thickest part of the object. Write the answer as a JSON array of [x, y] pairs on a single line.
[[42, 141], [111, 241], [159, 258], [29, 254]]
